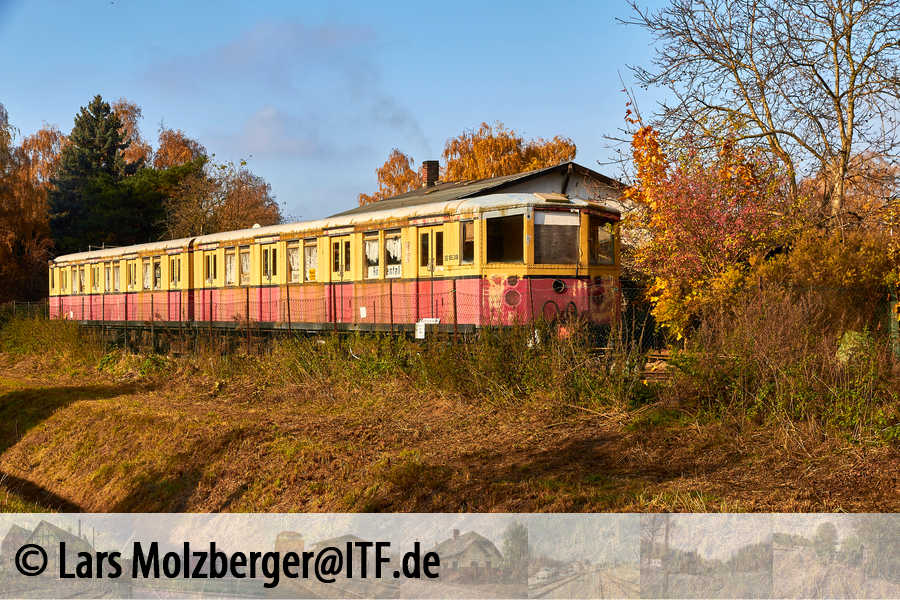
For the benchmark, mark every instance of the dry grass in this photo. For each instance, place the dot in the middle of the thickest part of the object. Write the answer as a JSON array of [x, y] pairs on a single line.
[[355, 425]]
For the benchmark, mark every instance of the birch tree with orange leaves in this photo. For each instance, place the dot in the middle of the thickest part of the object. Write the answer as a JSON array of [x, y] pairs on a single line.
[[138, 151], [489, 151], [175, 148]]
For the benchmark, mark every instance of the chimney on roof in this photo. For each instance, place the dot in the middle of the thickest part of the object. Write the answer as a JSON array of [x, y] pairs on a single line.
[[455, 533], [430, 173]]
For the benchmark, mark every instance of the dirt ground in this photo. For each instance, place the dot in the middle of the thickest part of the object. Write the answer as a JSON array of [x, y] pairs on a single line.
[[190, 444]]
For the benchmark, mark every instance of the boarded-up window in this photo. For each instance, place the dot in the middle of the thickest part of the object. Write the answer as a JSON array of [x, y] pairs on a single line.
[[601, 248], [293, 258], [370, 245], [556, 238], [310, 260], [467, 242], [504, 239], [392, 253], [230, 267]]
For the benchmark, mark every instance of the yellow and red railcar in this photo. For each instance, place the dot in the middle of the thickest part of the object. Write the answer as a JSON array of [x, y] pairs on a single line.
[[495, 252]]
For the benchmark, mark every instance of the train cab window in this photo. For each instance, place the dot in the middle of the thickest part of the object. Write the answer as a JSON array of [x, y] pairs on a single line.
[[556, 237], [293, 260], [245, 265], [230, 267], [370, 245], [157, 274], [392, 253], [467, 242], [601, 247], [504, 239], [310, 260]]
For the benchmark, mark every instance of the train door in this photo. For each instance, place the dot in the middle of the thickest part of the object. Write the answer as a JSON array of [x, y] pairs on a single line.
[[431, 259], [268, 297], [342, 296]]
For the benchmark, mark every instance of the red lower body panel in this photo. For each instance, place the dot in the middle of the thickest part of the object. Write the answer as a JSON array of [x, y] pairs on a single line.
[[494, 300]]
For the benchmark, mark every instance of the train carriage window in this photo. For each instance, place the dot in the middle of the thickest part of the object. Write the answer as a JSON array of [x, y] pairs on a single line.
[[115, 270], [145, 265], [174, 270], [556, 237], [230, 267], [392, 253], [293, 260], [274, 262], [107, 277], [346, 256], [601, 248], [467, 242], [310, 260], [62, 280], [81, 279], [504, 239], [157, 274], [424, 255], [335, 257], [210, 268], [370, 245], [439, 248], [245, 265], [95, 277]]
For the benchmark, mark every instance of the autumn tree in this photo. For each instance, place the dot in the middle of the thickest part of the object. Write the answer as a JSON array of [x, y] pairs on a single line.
[[396, 176], [24, 230], [815, 83], [704, 217], [138, 151], [176, 148], [221, 197], [43, 149], [489, 151], [494, 151]]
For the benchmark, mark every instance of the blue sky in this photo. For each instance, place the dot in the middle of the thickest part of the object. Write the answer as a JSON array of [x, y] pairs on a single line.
[[315, 95]]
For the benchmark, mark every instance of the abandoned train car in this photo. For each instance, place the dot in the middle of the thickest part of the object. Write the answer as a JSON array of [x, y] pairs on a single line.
[[499, 251]]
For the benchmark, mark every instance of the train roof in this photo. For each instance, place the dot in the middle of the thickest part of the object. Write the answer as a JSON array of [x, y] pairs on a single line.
[[448, 199]]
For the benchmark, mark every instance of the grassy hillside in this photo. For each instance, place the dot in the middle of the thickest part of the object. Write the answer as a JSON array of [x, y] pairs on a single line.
[[371, 424]]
